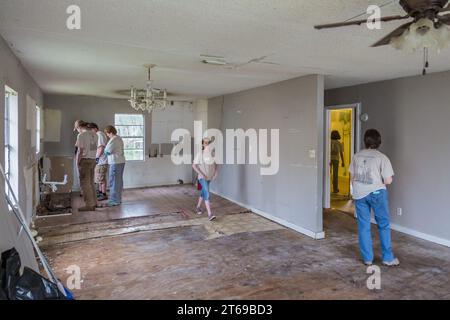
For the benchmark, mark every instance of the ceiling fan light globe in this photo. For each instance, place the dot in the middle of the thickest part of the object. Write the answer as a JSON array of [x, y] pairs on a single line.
[[423, 34], [443, 36]]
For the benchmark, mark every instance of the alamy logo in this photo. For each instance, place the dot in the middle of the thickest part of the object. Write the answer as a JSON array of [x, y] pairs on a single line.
[[237, 150], [374, 280], [374, 19], [74, 279], [73, 22]]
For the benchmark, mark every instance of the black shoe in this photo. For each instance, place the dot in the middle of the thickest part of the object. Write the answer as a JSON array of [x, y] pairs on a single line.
[[102, 198]]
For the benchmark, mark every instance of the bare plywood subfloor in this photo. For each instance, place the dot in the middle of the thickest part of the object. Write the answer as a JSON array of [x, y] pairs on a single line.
[[240, 256]]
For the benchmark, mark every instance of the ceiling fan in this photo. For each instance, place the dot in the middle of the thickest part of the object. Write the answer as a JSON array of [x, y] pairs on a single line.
[[417, 10]]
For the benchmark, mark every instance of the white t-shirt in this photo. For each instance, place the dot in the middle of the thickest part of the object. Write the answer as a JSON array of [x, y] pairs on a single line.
[[87, 142], [369, 169], [114, 149], [206, 164], [102, 141]]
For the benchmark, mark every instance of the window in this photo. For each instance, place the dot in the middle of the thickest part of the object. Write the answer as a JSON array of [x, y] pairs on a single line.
[[131, 128], [38, 130], [7, 144], [11, 141]]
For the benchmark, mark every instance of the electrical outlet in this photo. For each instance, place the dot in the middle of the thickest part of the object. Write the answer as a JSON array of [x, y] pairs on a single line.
[[399, 211]]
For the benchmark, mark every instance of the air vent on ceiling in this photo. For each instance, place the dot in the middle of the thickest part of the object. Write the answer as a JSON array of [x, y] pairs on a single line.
[[215, 60]]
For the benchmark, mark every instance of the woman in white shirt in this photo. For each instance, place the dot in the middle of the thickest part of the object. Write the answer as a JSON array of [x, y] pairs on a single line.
[[116, 161], [206, 169]]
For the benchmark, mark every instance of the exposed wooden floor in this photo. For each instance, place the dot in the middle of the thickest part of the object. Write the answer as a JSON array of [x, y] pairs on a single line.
[[156, 247]]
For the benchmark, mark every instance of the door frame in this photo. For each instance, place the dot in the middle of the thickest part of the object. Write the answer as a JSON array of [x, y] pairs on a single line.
[[356, 138]]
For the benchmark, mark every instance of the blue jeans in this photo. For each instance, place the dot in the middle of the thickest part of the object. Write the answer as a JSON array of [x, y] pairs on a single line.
[[205, 189], [378, 202], [116, 182]]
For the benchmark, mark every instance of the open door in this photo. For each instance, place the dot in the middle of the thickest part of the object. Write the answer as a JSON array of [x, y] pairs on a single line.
[[341, 142], [327, 185]]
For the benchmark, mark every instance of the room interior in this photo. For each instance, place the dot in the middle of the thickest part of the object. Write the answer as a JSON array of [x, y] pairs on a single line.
[[230, 65]]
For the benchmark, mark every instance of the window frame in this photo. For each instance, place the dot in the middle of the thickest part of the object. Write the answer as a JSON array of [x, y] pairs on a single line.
[[38, 129], [133, 137], [11, 175], [7, 139]]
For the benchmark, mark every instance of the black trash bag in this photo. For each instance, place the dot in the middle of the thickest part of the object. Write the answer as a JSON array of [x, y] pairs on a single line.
[[9, 271], [32, 286], [3, 295]]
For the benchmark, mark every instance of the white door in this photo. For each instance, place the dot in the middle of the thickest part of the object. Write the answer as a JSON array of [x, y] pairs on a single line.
[[327, 191]]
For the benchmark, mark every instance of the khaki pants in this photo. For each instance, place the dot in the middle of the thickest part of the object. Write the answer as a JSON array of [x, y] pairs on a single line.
[[87, 172]]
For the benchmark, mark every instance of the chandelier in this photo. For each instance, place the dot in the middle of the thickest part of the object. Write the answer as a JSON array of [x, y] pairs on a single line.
[[148, 99]]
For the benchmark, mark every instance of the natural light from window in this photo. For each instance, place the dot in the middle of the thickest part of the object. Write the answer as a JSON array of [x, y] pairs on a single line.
[[130, 127], [11, 128], [38, 130]]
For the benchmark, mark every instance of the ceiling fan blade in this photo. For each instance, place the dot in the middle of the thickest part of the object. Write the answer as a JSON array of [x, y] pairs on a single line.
[[358, 22], [396, 33]]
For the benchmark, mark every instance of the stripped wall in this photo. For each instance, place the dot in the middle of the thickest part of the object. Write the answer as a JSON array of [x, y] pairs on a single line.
[[15, 76], [158, 129], [293, 196]]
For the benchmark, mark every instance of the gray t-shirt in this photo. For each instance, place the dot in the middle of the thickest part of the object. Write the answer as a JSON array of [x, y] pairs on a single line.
[[369, 169], [102, 141]]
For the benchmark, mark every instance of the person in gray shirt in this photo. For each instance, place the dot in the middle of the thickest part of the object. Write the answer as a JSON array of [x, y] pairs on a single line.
[[371, 171]]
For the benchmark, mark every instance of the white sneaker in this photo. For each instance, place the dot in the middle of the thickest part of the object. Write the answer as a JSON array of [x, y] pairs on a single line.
[[392, 263], [198, 211]]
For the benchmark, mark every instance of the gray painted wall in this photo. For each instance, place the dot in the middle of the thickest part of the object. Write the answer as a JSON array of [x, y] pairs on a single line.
[[412, 115], [295, 107], [87, 108], [14, 75], [151, 171]]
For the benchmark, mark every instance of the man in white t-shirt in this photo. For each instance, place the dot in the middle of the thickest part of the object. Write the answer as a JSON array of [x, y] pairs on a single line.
[[85, 159], [101, 169], [370, 172]]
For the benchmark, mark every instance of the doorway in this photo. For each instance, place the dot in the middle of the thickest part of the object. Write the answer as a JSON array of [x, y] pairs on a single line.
[[341, 143]]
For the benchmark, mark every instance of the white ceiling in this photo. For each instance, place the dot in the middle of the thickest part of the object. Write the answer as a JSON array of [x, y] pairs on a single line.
[[119, 36]]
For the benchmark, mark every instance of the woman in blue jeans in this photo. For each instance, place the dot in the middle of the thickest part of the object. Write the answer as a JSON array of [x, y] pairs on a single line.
[[371, 171], [207, 171], [116, 161]]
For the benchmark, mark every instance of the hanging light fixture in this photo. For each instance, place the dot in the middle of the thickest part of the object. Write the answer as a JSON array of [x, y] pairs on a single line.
[[426, 35], [148, 99]]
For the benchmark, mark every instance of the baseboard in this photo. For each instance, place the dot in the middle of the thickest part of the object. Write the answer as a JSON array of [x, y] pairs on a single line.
[[417, 234], [140, 186], [309, 233]]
